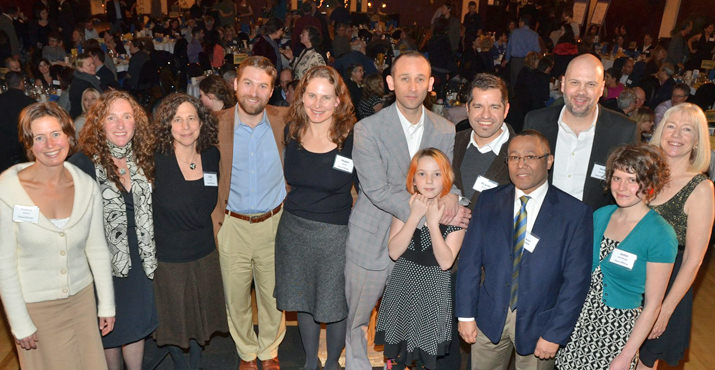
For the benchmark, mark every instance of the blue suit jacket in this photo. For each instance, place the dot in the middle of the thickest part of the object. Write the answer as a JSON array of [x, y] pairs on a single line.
[[553, 280]]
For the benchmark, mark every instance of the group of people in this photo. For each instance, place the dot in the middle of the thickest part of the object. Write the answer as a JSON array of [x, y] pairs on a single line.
[[160, 225], [559, 239]]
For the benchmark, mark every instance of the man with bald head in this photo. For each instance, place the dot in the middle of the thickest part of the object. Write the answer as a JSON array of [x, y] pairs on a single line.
[[640, 96], [581, 132]]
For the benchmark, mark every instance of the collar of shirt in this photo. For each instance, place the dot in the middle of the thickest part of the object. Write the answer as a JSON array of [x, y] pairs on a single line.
[[495, 145], [563, 126], [236, 119], [413, 132], [533, 205]]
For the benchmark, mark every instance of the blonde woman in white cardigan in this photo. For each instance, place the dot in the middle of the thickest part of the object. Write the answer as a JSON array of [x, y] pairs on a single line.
[[52, 250]]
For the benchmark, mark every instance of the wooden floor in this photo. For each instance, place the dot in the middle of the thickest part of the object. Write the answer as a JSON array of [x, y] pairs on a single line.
[[700, 357], [8, 359]]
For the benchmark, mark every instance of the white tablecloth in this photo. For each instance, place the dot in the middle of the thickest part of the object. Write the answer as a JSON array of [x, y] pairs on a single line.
[[456, 113], [165, 45], [192, 88]]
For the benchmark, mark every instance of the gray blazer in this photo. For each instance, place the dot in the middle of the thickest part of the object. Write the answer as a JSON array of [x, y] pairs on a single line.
[[382, 160]]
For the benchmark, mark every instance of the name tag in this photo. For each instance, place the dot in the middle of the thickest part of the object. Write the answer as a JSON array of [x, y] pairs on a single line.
[[598, 171], [623, 258], [343, 164], [26, 214], [483, 184], [530, 242], [210, 179]]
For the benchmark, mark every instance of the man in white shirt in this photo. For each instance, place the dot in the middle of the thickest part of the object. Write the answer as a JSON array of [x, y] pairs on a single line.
[[480, 153], [523, 270], [581, 132]]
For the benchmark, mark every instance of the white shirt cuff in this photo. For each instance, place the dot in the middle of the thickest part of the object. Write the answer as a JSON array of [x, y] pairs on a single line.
[[465, 318]]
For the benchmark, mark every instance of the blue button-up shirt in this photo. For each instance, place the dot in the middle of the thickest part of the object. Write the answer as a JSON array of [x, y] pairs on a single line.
[[521, 42], [257, 183]]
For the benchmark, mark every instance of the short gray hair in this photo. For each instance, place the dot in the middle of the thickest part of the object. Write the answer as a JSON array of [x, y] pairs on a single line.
[[626, 98]]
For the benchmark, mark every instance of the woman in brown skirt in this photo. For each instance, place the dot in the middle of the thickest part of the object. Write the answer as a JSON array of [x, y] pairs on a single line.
[[187, 283], [52, 249]]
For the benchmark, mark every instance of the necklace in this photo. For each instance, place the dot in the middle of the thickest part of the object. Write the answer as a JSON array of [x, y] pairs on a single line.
[[192, 163], [122, 171]]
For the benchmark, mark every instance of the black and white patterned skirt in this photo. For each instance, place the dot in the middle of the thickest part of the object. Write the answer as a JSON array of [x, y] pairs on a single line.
[[601, 332]]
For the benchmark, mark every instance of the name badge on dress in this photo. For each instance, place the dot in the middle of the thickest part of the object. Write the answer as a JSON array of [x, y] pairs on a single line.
[[530, 242], [484, 183], [623, 258], [26, 214], [210, 179], [598, 171], [343, 164]]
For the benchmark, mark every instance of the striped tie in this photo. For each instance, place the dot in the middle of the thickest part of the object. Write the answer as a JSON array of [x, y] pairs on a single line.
[[519, 236]]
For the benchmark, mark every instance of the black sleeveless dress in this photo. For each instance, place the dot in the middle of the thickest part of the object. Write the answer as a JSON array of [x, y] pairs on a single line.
[[675, 339]]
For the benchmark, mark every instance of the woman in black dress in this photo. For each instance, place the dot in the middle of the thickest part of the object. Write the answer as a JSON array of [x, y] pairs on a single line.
[[310, 243], [117, 147], [687, 203], [187, 283]]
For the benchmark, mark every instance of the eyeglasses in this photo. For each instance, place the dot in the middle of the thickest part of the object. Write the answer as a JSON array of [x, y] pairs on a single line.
[[527, 158]]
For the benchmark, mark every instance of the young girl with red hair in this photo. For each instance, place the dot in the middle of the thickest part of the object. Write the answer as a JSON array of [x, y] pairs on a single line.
[[415, 319]]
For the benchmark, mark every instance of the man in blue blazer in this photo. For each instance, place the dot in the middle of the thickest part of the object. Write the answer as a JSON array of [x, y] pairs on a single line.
[[525, 264]]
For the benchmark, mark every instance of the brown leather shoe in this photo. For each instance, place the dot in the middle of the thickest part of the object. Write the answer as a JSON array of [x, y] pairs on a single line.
[[248, 365], [271, 364]]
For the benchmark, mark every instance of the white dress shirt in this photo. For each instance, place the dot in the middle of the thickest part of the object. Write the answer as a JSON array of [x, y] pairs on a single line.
[[571, 157], [493, 146], [413, 132], [533, 206]]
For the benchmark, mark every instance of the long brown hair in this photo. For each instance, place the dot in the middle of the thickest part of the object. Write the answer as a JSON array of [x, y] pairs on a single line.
[[343, 116], [93, 141]]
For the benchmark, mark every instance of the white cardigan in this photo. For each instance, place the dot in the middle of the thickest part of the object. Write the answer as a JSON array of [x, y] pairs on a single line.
[[39, 262]]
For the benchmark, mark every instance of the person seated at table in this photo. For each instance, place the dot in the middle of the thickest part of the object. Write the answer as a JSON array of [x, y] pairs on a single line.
[[53, 52], [216, 94], [113, 44], [107, 79], [666, 83], [372, 92], [84, 78], [613, 85], [89, 31], [76, 41], [680, 94], [89, 98], [355, 82], [41, 72], [13, 65], [107, 61], [645, 123]]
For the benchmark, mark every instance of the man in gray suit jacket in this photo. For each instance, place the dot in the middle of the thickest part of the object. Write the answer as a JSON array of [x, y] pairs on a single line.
[[384, 145]]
